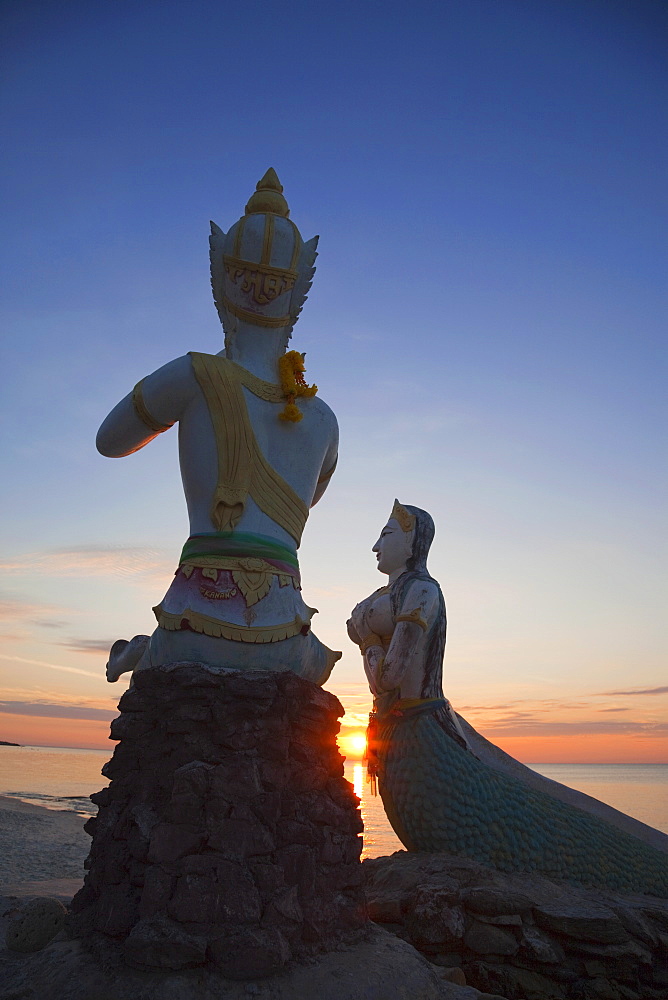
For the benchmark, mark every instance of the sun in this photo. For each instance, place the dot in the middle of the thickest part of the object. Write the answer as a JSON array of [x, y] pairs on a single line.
[[352, 744]]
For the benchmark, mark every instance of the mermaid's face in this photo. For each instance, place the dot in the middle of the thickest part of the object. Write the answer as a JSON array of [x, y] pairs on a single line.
[[393, 548]]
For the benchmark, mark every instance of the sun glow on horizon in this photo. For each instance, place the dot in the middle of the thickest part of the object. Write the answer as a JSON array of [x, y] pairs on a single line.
[[353, 744]]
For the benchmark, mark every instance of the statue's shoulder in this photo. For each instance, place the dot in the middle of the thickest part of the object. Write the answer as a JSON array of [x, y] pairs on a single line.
[[422, 593], [316, 407], [175, 374]]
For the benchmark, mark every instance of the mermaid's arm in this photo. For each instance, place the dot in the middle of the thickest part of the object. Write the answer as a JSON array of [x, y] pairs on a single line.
[[416, 615], [374, 657]]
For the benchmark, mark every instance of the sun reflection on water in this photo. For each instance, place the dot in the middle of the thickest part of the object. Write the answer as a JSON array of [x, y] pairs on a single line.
[[358, 780], [379, 837]]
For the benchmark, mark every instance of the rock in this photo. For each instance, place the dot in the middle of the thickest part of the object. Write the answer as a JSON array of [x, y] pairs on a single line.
[[385, 911], [627, 949], [433, 920], [581, 921], [636, 924], [159, 943], [227, 828], [486, 939], [503, 919], [540, 947], [170, 842], [494, 903], [453, 975], [512, 982], [380, 967], [37, 923], [250, 954], [578, 942]]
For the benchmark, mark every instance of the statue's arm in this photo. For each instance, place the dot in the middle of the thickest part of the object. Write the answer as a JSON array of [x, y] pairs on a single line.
[[153, 406], [329, 462], [420, 605], [360, 634]]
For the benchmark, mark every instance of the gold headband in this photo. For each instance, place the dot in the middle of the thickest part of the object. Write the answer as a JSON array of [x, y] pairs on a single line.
[[405, 519], [272, 322]]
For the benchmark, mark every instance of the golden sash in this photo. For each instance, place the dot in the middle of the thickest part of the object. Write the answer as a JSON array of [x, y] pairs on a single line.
[[243, 470]]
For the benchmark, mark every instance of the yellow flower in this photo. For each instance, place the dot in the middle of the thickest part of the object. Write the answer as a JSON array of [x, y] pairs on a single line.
[[291, 370]]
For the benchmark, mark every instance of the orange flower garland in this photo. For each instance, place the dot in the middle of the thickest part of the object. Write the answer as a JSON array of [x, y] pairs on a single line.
[[291, 370]]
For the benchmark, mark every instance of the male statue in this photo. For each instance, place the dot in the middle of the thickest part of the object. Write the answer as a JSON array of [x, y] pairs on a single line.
[[257, 449]]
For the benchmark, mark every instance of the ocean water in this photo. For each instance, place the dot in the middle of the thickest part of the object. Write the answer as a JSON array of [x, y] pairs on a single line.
[[60, 778], [54, 777]]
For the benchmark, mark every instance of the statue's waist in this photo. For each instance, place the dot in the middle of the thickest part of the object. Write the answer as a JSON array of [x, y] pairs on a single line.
[[392, 708], [209, 548]]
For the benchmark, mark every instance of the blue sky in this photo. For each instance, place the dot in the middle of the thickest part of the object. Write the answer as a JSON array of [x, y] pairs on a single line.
[[487, 318]]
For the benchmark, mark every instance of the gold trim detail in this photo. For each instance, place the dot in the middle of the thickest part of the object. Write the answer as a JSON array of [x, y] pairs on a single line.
[[243, 470], [269, 391], [218, 595], [371, 640], [264, 281], [143, 414], [268, 196], [406, 520], [296, 248], [226, 630], [238, 236], [272, 322], [267, 240], [253, 577], [214, 563], [413, 616]]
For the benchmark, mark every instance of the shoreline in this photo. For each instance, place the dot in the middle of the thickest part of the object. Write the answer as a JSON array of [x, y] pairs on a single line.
[[40, 847]]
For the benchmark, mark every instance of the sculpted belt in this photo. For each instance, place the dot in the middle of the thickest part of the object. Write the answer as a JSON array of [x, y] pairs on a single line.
[[211, 546], [244, 565]]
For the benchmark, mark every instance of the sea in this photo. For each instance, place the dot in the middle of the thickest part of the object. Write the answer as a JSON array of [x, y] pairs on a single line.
[[61, 778]]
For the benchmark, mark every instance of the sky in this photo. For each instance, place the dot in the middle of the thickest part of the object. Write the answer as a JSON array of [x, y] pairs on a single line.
[[487, 321]]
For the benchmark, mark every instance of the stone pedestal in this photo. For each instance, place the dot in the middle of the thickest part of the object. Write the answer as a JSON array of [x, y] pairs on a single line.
[[228, 835]]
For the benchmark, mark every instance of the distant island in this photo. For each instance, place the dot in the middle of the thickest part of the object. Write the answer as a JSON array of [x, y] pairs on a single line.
[[4, 743]]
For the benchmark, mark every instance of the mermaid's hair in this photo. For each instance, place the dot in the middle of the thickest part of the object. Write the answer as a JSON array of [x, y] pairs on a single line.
[[416, 569]]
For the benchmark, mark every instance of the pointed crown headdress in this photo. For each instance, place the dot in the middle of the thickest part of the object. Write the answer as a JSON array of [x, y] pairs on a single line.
[[404, 517], [261, 270]]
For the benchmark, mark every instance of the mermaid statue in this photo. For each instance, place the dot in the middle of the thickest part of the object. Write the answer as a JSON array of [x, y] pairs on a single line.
[[257, 449], [444, 786]]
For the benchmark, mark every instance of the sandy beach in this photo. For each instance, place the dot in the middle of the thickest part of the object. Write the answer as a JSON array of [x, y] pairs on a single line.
[[41, 851]]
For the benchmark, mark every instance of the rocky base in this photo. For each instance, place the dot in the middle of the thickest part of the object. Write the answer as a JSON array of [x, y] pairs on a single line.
[[228, 835], [378, 968], [522, 936]]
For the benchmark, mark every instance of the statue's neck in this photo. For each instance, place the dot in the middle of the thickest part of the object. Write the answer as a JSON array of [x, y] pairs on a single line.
[[257, 349], [395, 574]]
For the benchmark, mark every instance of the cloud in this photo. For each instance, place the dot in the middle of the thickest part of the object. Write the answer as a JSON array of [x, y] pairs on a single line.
[[57, 711], [16, 609], [534, 705], [125, 561], [355, 720], [659, 690], [51, 666], [88, 645], [625, 709], [537, 727]]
